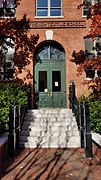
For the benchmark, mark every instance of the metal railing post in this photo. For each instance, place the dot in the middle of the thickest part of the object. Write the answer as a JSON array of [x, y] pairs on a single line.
[[82, 127], [18, 109], [12, 133], [88, 136], [72, 95]]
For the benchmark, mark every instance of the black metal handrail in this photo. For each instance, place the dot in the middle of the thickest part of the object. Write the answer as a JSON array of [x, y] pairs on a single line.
[[16, 117], [73, 102], [82, 114]]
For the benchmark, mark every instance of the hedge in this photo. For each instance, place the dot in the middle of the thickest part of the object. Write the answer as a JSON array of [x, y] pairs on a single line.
[[11, 93]]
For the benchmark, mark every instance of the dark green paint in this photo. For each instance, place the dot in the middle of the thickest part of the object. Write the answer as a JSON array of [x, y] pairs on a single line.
[[50, 98]]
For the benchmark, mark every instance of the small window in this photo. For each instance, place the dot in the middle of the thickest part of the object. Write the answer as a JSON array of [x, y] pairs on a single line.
[[90, 73], [87, 5], [6, 58], [92, 47], [98, 46], [7, 8], [48, 8]]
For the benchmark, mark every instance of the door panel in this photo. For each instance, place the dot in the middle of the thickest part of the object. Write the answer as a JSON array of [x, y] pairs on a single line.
[[50, 83], [42, 81], [56, 81]]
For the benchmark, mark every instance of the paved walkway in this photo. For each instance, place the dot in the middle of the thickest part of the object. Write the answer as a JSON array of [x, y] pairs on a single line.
[[50, 164]]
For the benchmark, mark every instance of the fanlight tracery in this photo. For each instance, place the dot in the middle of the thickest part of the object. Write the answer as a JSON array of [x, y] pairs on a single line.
[[50, 52]]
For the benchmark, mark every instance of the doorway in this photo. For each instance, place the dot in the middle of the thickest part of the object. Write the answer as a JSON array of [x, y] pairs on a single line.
[[50, 76]]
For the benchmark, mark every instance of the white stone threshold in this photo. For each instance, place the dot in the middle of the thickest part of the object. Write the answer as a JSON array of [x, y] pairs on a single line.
[[96, 138]]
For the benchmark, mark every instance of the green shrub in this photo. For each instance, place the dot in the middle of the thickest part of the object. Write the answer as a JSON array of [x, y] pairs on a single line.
[[11, 94], [95, 115], [95, 112]]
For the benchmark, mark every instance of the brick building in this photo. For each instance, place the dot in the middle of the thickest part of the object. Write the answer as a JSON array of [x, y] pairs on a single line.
[[61, 27]]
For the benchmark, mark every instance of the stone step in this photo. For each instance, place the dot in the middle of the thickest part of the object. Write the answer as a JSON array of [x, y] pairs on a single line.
[[49, 123], [29, 139], [55, 127], [45, 113], [32, 133], [40, 124], [49, 119], [52, 143], [50, 110], [44, 117], [47, 133]]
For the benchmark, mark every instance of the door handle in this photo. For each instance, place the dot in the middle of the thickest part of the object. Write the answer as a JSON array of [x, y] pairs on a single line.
[[51, 93], [48, 94]]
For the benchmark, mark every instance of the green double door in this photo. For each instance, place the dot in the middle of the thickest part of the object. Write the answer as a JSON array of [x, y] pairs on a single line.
[[50, 83]]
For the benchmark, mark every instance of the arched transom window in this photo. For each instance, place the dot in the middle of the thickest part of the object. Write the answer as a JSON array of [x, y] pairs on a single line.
[[50, 52]]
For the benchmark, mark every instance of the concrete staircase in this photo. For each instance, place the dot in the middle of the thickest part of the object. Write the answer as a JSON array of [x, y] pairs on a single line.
[[49, 128]]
